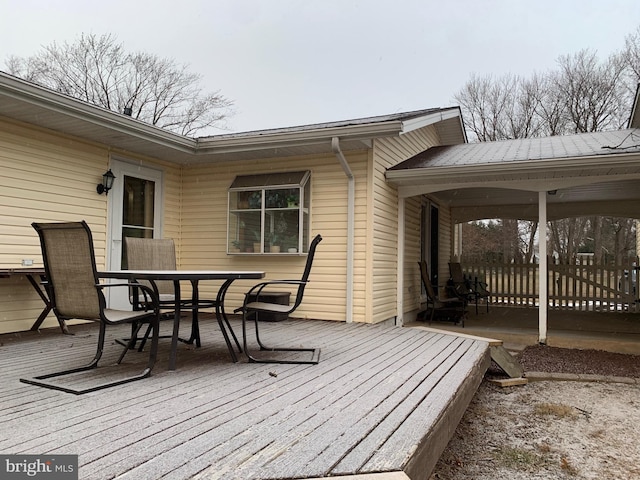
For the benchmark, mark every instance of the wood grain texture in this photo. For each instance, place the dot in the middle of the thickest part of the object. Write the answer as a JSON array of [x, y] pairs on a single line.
[[382, 400]]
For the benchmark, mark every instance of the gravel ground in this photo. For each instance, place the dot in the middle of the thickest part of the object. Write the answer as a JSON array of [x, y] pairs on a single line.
[[551, 430]]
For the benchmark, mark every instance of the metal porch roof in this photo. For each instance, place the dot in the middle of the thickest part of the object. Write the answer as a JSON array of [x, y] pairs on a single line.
[[526, 150], [591, 173]]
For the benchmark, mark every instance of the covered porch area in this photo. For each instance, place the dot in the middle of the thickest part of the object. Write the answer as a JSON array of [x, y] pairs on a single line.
[[536, 179]]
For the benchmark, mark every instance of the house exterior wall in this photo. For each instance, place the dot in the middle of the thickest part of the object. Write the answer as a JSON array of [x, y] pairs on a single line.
[[52, 178], [445, 238], [384, 226], [204, 231]]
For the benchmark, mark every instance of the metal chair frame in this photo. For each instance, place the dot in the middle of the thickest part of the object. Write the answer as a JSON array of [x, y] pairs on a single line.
[[160, 254], [257, 306], [474, 290], [452, 309], [76, 293]]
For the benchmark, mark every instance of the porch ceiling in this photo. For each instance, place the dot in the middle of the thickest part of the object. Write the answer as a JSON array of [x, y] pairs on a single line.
[[618, 198]]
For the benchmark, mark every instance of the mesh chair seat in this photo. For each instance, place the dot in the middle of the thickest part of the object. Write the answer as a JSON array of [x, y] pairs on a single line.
[[76, 293]]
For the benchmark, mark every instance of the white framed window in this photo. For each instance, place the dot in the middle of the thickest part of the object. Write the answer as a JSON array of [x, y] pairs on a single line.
[[269, 214]]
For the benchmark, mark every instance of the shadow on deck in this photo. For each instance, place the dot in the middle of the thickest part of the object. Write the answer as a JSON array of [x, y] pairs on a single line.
[[382, 400]]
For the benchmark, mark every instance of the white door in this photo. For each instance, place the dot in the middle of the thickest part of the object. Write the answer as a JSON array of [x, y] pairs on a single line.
[[135, 210]]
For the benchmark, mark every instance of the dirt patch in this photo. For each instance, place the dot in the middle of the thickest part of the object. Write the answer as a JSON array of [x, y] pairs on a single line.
[[540, 358], [551, 429]]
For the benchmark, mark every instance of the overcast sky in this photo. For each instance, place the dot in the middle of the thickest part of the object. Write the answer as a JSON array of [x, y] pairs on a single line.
[[295, 62]]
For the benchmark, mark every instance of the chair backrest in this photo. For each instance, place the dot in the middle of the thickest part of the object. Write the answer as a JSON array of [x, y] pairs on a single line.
[[70, 267], [426, 281], [152, 254], [307, 270], [455, 269]]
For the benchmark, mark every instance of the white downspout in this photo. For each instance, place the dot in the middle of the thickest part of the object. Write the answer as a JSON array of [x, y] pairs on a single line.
[[351, 209], [400, 265]]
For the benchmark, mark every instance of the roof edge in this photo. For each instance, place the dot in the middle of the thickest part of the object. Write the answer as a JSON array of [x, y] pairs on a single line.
[[58, 102], [357, 130], [397, 176], [207, 145], [634, 119], [429, 119]]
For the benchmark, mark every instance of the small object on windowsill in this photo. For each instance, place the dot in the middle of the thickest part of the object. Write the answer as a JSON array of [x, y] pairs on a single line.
[[292, 250]]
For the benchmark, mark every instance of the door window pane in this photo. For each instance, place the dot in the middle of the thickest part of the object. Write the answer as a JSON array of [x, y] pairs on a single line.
[[137, 210]]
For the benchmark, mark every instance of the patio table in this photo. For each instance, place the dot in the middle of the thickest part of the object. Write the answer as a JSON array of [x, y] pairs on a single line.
[[193, 276], [40, 286]]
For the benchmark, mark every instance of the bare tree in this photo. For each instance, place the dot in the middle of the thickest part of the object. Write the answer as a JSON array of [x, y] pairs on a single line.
[[593, 92], [484, 103], [550, 106], [527, 236], [583, 94], [631, 58], [482, 242], [566, 236], [98, 70]]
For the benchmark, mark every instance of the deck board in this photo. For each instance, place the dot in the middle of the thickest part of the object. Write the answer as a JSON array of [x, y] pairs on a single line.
[[371, 404]]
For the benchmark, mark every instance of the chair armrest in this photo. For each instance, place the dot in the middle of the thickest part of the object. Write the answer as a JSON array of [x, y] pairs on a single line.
[[155, 301], [260, 286], [257, 288]]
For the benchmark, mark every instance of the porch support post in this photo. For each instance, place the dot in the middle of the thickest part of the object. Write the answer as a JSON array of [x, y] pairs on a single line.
[[400, 265], [543, 275]]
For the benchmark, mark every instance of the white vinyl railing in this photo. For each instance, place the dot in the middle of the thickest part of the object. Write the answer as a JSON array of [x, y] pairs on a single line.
[[580, 285]]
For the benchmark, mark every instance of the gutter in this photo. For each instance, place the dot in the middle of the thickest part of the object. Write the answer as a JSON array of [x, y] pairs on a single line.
[[50, 100], [284, 138], [351, 202]]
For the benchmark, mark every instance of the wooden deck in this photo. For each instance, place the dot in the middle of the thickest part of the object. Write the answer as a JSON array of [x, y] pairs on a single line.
[[382, 399]]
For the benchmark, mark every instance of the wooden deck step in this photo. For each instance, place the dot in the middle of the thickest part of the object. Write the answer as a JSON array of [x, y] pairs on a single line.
[[507, 362]]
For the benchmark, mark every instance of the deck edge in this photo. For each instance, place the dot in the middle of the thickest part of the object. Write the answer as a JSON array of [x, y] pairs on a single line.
[[493, 342], [424, 459], [398, 475]]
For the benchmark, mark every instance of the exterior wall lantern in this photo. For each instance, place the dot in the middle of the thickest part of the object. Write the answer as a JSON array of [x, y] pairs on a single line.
[[107, 183]]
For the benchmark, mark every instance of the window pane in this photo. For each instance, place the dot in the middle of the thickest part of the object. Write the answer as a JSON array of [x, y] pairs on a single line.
[[137, 202], [137, 210], [245, 231], [281, 201]]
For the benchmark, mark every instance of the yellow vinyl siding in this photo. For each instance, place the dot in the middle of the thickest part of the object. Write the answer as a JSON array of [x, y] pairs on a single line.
[[52, 177], [412, 282], [172, 199], [445, 244], [204, 233], [384, 225], [46, 177], [43, 178]]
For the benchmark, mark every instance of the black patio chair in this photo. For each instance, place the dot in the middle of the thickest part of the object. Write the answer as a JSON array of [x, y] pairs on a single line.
[[160, 254], [463, 286], [70, 266], [451, 309], [254, 308]]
